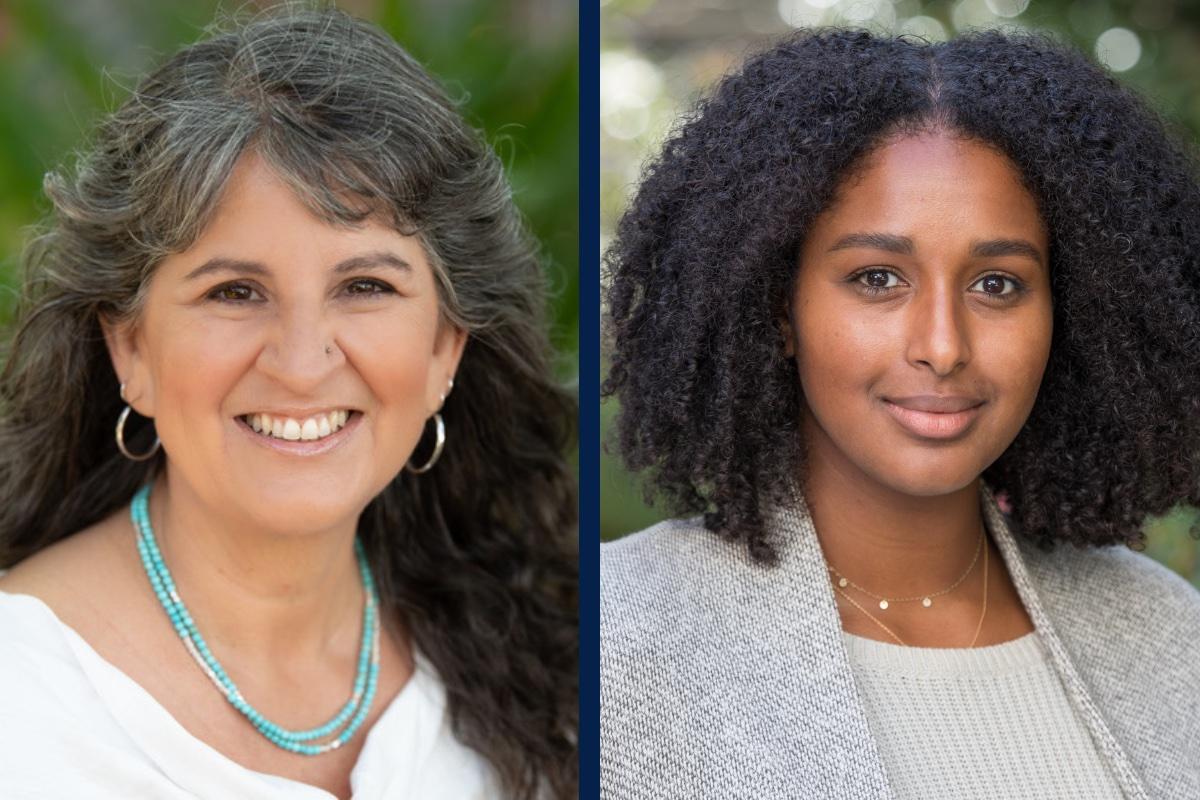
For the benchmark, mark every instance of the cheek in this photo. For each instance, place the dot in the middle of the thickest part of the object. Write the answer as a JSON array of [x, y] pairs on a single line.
[[396, 375], [196, 367], [393, 351], [1015, 357], [393, 355], [837, 355]]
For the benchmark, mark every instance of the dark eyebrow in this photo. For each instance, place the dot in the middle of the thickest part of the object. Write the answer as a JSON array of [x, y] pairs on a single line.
[[220, 263], [876, 241], [991, 248], [364, 261], [1005, 247], [375, 259]]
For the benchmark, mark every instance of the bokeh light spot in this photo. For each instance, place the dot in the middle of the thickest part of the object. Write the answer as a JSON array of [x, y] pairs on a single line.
[[927, 28], [1007, 8], [1118, 49]]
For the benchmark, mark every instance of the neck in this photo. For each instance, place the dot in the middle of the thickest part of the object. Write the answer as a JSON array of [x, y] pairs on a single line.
[[891, 543], [268, 595]]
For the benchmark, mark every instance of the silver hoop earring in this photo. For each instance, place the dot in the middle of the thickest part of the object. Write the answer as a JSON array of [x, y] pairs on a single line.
[[121, 438], [437, 447]]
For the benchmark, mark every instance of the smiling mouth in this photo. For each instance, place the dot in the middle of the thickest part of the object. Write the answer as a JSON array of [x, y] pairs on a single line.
[[933, 424], [309, 429]]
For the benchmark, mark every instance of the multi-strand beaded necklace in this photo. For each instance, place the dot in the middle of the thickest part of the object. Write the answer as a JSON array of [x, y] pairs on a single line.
[[349, 719]]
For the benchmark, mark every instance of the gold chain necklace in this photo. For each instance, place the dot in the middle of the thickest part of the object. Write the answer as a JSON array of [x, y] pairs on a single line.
[[891, 633], [926, 599]]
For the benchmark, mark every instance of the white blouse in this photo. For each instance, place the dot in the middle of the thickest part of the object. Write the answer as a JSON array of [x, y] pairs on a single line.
[[73, 725]]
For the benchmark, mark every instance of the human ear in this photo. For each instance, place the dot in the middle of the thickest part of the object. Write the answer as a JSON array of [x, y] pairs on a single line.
[[786, 331], [447, 353], [128, 355]]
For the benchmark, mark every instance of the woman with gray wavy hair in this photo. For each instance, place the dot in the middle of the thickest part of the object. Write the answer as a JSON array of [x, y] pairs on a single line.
[[283, 491]]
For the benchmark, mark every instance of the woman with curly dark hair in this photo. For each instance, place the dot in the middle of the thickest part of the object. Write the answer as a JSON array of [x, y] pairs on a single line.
[[916, 328], [269, 535]]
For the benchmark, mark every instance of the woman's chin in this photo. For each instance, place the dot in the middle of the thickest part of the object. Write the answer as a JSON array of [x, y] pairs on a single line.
[[917, 479], [299, 513]]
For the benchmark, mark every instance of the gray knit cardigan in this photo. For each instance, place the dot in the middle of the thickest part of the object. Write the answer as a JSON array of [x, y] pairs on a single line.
[[720, 678]]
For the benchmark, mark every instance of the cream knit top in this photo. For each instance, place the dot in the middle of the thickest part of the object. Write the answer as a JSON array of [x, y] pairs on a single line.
[[986, 722]]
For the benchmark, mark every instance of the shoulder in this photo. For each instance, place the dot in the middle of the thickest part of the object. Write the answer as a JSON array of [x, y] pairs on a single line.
[[75, 573], [664, 593], [28, 628], [59, 737], [643, 579], [1128, 587], [1127, 621], [654, 606], [654, 576], [40, 674], [1156, 583], [627, 563], [1131, 629], [92, 583]]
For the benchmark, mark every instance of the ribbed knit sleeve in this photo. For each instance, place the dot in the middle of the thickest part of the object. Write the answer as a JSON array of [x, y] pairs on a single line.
[[988, 722]]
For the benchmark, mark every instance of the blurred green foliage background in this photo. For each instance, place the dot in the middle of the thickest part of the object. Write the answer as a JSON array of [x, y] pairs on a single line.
[[514, 64], [657, 55]]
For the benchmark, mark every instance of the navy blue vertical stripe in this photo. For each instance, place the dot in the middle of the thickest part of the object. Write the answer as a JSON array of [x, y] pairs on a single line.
[[589, 399]]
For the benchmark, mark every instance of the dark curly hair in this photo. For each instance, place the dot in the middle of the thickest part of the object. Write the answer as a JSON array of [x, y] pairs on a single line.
[[706, 254], [477, 557]]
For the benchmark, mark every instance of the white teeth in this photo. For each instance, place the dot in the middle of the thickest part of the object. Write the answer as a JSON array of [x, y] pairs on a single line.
[[311, 429]]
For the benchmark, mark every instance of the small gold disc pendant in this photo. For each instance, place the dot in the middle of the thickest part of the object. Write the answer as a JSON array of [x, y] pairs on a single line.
[[927, 602], [843, 582], [883, 604]]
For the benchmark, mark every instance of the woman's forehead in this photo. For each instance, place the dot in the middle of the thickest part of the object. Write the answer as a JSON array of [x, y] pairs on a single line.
[[260, 218], [934, 187]]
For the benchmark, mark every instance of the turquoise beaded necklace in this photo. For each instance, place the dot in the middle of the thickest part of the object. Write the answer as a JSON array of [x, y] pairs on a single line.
[[349, 719]]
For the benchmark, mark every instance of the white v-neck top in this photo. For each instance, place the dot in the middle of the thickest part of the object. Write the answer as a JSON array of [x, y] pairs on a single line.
[[73, 725]]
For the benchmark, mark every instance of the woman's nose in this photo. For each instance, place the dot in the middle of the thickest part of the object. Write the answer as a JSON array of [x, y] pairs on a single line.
[[938, 330], [300, 350]]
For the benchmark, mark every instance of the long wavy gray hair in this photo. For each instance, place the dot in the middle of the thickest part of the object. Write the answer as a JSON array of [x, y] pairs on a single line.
[[476, 557]]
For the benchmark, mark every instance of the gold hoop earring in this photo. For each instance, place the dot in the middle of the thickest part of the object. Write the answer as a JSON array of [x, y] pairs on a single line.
[[437, 447], [121, 438]]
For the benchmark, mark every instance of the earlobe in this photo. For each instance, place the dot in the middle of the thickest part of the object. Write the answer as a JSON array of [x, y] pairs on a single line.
[[785, 331], [452, 342], [783, 318], [120, 337], [452, 345]]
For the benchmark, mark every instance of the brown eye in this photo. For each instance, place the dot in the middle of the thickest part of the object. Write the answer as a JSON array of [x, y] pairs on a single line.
[[233, 293], [873, 282], [368, 286], [997, 286]]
